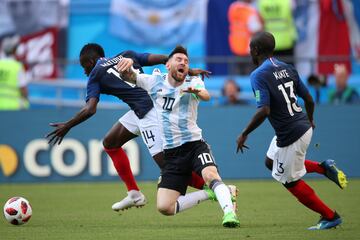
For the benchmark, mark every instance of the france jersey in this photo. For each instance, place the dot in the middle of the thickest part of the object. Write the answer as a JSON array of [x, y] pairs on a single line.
[[277, 85], [104, 78], [177, 110]]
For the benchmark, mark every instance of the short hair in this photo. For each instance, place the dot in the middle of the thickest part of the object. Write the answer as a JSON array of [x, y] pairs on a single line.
[[264, 42], [178, 49], [92, 50]]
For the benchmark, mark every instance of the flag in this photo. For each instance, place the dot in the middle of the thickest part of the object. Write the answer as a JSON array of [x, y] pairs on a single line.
[[325, 30], [39, 53], [158, 23]]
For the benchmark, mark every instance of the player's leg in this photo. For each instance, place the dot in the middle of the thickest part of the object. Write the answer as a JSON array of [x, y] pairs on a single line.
[[166, 201], [326, 167], [174, 179], [329, 169], [122, 131], [289, 168], [204, 163], [307, 196], [269, 163], [113, 142], [151, 135]]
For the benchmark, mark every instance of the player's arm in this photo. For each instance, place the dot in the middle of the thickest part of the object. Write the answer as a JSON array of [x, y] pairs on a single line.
[[202, 94], [127, 73], [155, 59], [309, 107], [61, 129], [259, 117], [303, 92], [198, 89], [262, 97]]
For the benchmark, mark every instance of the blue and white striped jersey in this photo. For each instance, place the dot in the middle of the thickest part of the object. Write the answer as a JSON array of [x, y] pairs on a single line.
[[176, 110]]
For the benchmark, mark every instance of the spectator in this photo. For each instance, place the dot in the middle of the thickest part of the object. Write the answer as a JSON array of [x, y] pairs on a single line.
[[13, 90], [278, 20], [244, 21], [231, 93], [317, 82], [342, 93]]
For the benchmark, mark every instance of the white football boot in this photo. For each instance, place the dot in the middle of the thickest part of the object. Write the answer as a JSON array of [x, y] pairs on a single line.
[[133, 199]]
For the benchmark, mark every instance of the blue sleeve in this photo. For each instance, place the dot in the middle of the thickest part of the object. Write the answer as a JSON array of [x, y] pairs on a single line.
[[93, 87], [141, 58], [262, 95]]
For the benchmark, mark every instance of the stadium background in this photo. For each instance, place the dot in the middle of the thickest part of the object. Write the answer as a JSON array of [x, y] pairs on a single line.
[[50, 48], [72, 186]]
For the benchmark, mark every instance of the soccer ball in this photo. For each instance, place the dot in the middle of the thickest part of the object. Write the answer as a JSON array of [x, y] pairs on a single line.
[[17, 210]]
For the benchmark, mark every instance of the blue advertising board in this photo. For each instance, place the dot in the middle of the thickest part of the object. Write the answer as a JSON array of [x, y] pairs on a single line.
[[25, 155]]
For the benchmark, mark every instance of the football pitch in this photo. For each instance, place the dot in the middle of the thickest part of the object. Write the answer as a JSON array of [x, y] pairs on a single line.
[[265, 209]]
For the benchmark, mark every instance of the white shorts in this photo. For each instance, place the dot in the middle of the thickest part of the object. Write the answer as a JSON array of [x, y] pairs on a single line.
[[147, 127], [288, 162]]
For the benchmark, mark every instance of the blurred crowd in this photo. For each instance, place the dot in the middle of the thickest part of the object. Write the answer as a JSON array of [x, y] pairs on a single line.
[[320, 37]]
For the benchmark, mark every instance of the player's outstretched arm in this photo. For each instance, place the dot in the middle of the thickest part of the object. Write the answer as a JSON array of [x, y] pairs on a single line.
[[198, 71], [127, 72], [124, 64], [203, 94], [61, 129], [259, 117], [155, 59]]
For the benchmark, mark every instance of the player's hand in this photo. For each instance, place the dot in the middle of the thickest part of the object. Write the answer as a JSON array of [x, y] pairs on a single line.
[[124, 64], [58, 134], [241, 143], [198, 71], [312, 124], [191, 90]]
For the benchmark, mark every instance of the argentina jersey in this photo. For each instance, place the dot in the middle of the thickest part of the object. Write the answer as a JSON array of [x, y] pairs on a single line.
[[176, 110]]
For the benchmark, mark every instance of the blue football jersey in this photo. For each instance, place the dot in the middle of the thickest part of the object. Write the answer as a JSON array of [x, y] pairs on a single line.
[[105, 79], [277, 85]]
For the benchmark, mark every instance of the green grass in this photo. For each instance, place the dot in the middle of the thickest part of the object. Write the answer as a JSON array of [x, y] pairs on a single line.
[[266, 211]]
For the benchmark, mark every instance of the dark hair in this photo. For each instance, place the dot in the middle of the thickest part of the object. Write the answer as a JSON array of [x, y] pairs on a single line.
[[317, 80], [178, 49], [264, 42], [92, 50]]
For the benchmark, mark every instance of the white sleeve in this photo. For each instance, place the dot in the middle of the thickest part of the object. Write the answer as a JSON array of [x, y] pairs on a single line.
[[145, 81]]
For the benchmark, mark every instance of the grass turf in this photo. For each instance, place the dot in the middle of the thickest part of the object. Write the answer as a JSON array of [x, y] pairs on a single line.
[[266, 211]]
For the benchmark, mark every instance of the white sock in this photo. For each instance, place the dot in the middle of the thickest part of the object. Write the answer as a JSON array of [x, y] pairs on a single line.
[[190, 200], [223, 195]]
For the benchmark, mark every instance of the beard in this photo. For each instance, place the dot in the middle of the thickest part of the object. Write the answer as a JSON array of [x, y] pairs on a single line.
[[178, 78]]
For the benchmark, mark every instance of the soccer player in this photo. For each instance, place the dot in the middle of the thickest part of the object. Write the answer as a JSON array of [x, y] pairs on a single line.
[[176, 100], [276, 86], [140, 120]]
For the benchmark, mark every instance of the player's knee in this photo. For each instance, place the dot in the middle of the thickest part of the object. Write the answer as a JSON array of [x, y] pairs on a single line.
[[108, 142], [209, 174], [166, 208]]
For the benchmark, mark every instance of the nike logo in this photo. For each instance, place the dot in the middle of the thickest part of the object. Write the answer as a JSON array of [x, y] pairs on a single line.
[[137, 200], [151, 146]]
